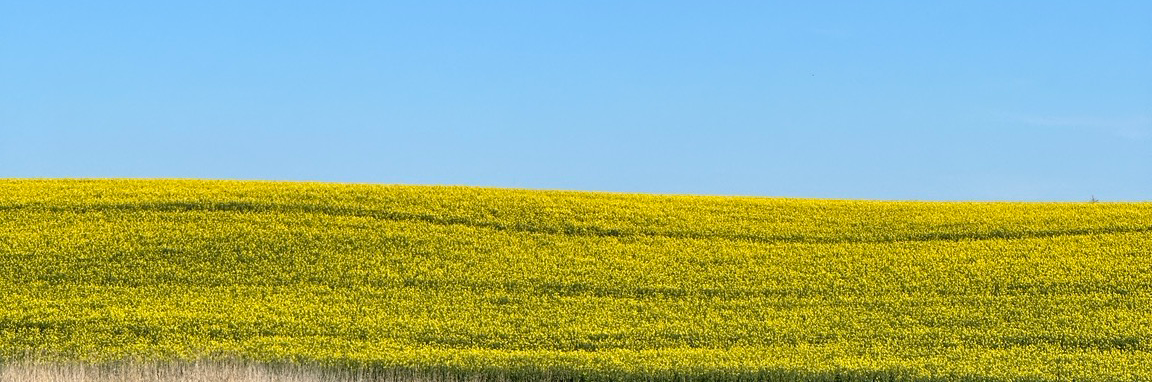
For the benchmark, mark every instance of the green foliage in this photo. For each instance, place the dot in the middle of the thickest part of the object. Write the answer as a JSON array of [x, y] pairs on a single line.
[[574, 285]]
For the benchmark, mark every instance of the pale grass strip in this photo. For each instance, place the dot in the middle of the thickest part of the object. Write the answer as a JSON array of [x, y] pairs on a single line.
[[208, 371]]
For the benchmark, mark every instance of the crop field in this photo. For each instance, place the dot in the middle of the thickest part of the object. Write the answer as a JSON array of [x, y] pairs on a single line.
[[465, 283]]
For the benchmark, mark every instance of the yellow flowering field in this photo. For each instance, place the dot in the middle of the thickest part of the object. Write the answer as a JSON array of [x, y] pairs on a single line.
[[557, 285]]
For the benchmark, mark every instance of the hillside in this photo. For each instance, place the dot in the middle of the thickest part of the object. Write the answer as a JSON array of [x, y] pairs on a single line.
[[562, 285]]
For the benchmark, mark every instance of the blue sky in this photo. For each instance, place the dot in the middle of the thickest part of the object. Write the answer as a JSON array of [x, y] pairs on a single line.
[[1001, 100]]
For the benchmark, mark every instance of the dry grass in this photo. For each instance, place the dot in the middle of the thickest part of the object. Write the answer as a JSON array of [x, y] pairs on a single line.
[[208, 371]]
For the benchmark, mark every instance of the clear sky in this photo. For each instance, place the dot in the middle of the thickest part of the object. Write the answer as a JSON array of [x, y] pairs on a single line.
[[1019, 100]]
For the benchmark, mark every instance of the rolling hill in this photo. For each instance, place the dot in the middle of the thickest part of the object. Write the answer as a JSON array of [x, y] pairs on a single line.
[[466, 282]]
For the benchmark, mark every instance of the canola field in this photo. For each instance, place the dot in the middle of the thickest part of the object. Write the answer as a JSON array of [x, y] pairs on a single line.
[[503, 284]]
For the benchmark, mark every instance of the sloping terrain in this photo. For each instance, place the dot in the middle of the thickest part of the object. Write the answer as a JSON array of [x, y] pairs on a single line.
[[564, 285]]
